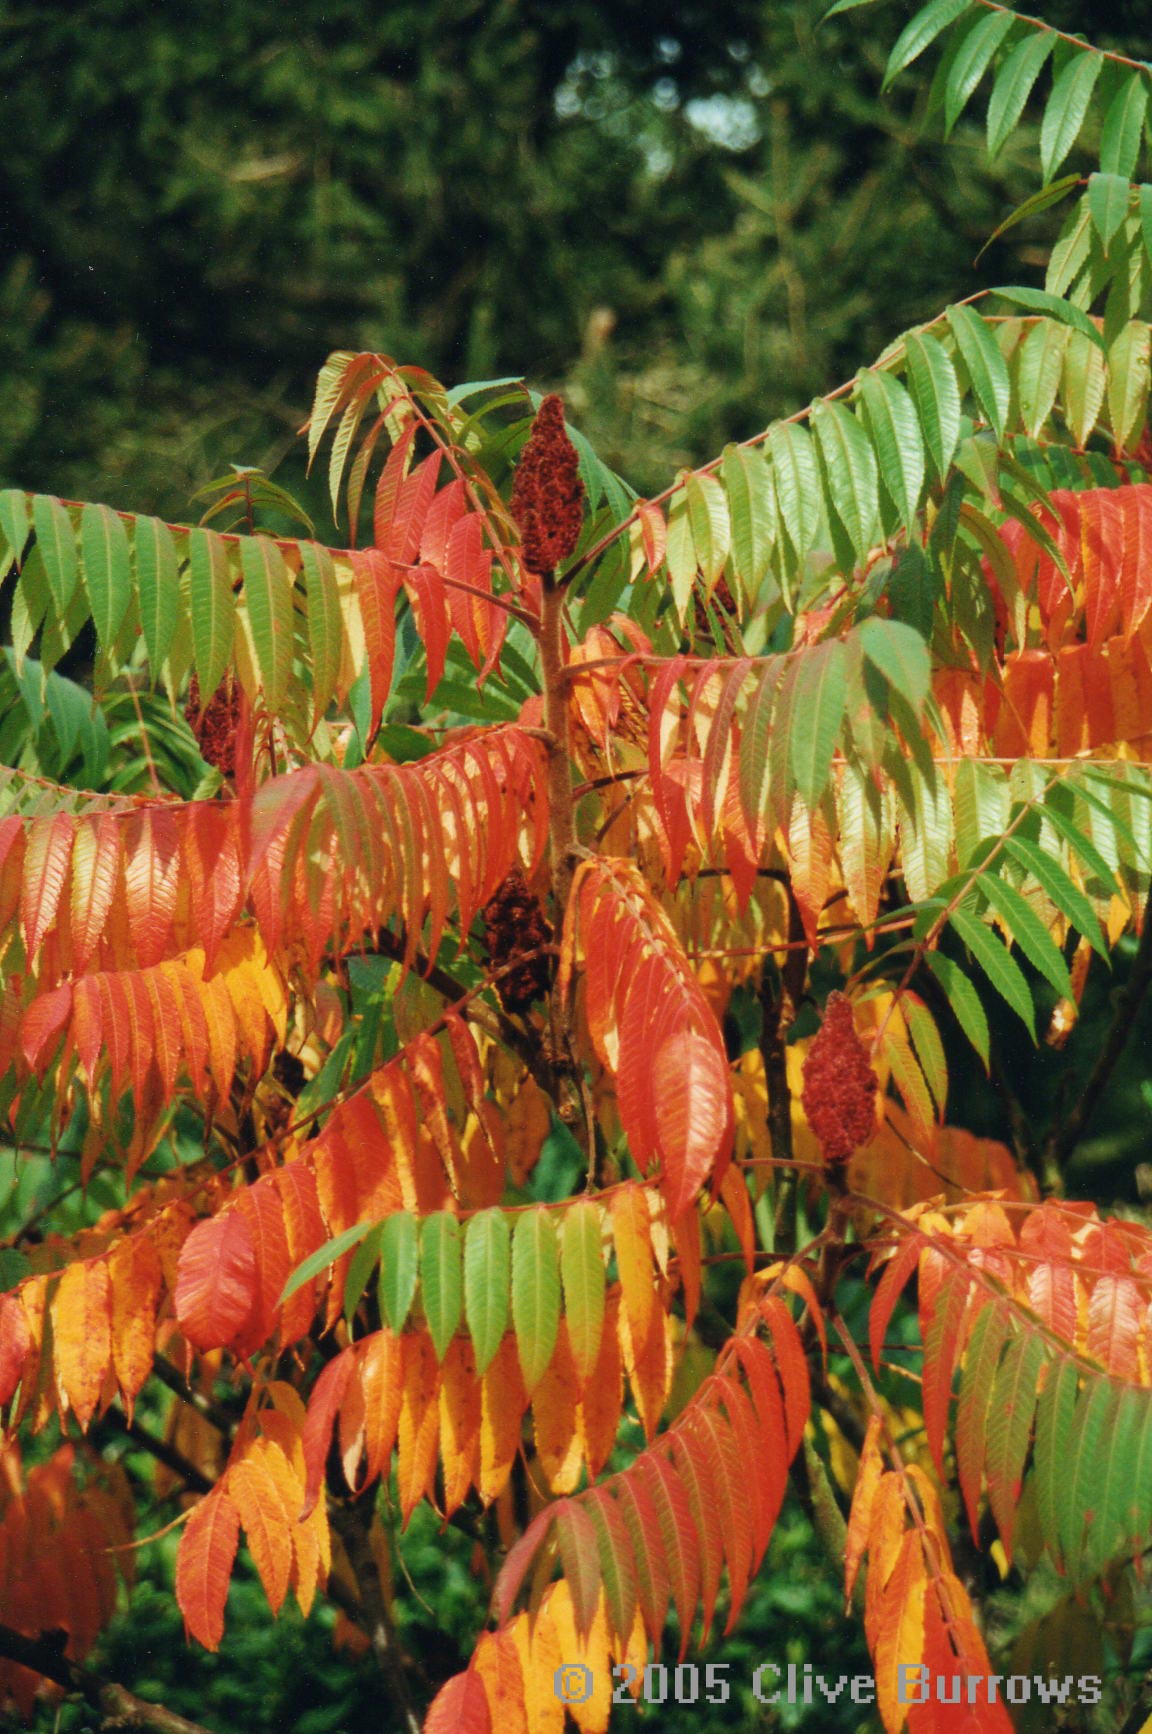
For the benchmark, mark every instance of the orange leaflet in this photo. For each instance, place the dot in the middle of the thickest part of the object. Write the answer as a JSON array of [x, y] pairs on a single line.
[[82, 1335]]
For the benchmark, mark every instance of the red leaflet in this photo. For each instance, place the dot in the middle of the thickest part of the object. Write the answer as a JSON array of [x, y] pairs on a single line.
[[679, 1537], [152, 868], [95, 862], [216, 1284], [15, 1341], [426, 593], [42, 1024], [323, 1407], [263, 1211], [896, 1273], [460, 1707], [693, 1102], [47, 853], [204, 1567], [377, 586]]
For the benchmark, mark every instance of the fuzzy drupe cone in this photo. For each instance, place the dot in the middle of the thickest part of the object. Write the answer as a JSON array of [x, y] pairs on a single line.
[[515, 926], [547, 494], [215, 724], [839, 1084]]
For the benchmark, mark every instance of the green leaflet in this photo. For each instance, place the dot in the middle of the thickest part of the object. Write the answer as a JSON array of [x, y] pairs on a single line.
[[582, 1273], [1052, 879], [998, 965], [158, 585], [937, 395], [984, 359], [711, 530], [398, 1263], [928, 1048], [1072, 251], [797, 477], [1091, 1424], [1067, 107], [972, 62], [107, 570], [1013, 87], [441, 1277], [535, 1293], [816, 716], [981, 803], [268, 594], [325, 623], [1053, 1441], [850, 467], [1108, 204], [901, 656], [1039, 364], [1145, 193], [487, 1264], [1128, 377], [1039, 301], [57, 545], [752, 505], [1083, 846], [14, 521], [323, 1257], [212, 608], [28, 604], [1083, 386], [925, 834], [981, 1361], [920, 32], [1010, 1412], [680, 551], [1124, 128], [1040, 201], [756, 734], [895, 430], [1136, 1517], [1109, 1532], [360, 1267]]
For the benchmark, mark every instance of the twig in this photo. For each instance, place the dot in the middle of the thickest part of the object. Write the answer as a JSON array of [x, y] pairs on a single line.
[[118, 1707], [175, 1381], [195, 1479]]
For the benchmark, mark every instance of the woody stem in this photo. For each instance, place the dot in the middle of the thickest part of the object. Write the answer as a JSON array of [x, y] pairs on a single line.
[[561, 804]]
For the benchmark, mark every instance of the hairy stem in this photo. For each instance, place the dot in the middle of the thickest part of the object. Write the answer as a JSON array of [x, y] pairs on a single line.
[[117, 1707], [561, 805], [778, 1001]]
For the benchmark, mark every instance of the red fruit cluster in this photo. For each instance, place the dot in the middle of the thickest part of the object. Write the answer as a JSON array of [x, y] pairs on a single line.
[[839, 1084], [547, 494], [215, 726]]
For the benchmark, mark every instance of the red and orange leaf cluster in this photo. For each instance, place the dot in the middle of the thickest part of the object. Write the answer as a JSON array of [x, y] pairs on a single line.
[[917, 1614], [654, 1031], [262, 1491], [1044, 1312], [63, 1543]]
